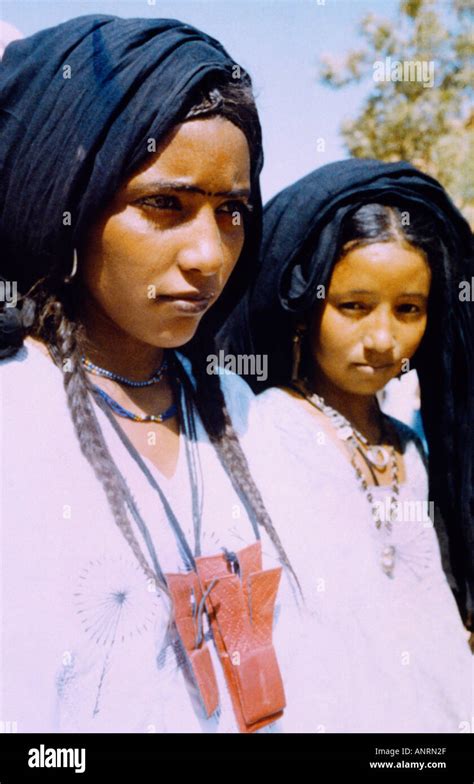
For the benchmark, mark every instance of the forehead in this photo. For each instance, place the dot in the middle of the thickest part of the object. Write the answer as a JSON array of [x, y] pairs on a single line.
[[381, 265], [211, 153]]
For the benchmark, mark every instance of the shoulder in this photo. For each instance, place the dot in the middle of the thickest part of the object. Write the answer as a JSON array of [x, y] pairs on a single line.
[[14, 363], [30, 360], [29, 382], [278, 399], [296, 430], [285, 409]]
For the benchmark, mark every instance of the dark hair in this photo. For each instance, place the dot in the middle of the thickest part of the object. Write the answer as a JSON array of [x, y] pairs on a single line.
[[48, 313], [232, 99], [388, 223]]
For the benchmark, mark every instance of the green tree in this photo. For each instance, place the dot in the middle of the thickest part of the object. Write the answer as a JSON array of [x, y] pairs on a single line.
[[432, 126]]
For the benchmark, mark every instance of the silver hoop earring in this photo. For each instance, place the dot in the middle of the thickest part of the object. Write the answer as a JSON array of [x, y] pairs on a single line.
[[69, 278], [296, 353]]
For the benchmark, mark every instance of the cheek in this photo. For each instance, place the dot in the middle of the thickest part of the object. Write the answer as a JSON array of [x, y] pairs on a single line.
[[233, 244], [126, 247], [412, 337], [120, 257], [332, 336]]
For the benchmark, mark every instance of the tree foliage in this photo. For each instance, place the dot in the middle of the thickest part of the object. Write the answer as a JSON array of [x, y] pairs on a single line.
[[432, 126]]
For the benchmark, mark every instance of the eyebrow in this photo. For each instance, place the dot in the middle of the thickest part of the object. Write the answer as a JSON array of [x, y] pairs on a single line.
[[353, 292], [182, 187], [356, 291]]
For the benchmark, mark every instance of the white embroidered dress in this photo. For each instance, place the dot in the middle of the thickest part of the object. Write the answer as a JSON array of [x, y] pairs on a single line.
[[381, 654]]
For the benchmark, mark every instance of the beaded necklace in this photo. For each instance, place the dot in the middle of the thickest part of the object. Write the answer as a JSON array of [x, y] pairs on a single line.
[[377, 455], [124, 412], [129, 382], [171, 411]]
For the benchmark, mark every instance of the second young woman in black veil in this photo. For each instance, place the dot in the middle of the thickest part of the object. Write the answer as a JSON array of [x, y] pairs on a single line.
[[305, 227]]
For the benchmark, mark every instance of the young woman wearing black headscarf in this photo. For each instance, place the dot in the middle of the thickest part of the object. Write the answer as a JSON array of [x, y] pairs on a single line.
[[364, 274], [129, 194]]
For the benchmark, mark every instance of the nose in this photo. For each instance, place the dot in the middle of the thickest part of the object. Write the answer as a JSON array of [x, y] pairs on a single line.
[[380, 333], [203, 250]]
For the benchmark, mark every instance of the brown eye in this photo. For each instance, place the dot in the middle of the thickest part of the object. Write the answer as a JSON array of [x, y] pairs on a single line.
[[236, 206], [409, 308], [351, 306], [161, 202]]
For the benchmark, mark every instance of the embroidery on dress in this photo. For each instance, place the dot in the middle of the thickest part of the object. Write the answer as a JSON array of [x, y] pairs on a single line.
[[115, 604]]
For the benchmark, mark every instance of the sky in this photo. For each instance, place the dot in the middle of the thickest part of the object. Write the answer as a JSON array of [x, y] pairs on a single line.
[[279, 42]]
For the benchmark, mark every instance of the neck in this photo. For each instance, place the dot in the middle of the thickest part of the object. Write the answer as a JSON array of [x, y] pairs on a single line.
[[362, 411], [109, 347]]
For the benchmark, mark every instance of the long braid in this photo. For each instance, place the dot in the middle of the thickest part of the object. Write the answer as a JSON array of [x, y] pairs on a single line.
[[63, 336], [212, 409]]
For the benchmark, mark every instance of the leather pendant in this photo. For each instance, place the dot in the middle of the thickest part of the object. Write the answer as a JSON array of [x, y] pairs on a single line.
[[186, 595], [240, 605]]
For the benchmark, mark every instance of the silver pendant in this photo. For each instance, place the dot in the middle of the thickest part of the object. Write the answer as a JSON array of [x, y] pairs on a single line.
[[378, 456], [344, 433], [388, 560]]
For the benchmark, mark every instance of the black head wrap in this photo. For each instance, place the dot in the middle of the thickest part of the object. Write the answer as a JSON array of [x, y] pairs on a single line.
[[302, 232], [79, 104]]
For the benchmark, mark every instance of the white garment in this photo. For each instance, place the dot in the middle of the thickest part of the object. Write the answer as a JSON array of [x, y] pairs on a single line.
[[83, 638], [382, 654]]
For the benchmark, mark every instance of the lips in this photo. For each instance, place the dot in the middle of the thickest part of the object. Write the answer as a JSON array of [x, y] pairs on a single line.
[[195, 296], [187, 303], [385, 366]]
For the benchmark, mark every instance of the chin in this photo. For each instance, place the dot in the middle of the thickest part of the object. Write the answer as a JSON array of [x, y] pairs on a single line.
[[369, 388], [174, 338]]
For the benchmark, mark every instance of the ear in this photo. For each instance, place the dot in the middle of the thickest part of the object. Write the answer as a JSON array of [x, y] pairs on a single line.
[[301, 323], [298, 335]]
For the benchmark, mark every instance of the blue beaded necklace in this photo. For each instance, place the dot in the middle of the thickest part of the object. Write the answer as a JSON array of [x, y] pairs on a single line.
[[171, 411], [124, 412], [129, 382]]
